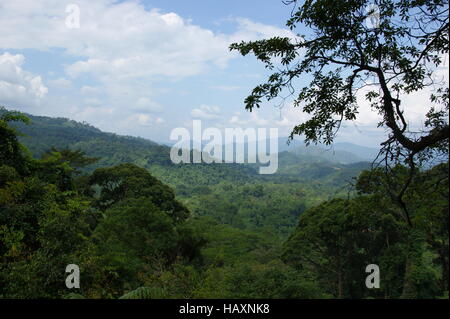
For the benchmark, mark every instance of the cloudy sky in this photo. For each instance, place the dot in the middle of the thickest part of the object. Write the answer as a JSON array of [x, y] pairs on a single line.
[[142, 68]]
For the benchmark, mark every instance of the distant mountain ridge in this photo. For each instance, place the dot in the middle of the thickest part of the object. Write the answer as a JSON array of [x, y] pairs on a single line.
[[315, 165], [342, 153]]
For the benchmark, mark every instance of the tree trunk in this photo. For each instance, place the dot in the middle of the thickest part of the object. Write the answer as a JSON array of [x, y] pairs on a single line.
[[409, 290], [413, 258]]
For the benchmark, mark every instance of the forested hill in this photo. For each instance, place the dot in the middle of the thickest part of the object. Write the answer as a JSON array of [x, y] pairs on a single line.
[[43, 133], [232, 194], [226, 231]]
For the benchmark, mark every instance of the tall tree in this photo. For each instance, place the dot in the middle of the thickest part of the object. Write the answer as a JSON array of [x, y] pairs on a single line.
[[393, 46]]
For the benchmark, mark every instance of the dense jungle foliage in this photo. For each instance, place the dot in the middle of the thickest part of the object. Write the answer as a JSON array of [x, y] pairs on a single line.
[[139, 226]]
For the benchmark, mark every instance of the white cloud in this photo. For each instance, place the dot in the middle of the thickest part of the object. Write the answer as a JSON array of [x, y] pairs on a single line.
[[257, 120], [145, 105], [206, 112], [17, 86], [159, 120], [284, 121], [251, 119], [236, 120], [93, 102], [366, 115], [89, 90], [122, 49], [250, 30], [60, 83], [142, 119], [415, 105], [123, 39]]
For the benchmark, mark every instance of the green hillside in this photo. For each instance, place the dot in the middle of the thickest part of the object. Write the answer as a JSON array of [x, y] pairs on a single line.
[[118, 207], [300, 181]]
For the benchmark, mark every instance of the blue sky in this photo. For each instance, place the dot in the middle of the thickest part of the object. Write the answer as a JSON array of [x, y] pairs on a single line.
[[143, 68], [212, 14]]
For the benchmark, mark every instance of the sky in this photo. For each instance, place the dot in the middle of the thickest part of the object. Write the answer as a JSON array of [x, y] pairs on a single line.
[[144, 68]]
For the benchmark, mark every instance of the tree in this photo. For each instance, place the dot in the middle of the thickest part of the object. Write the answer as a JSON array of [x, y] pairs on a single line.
[[336, 240], [12, 153], [76, 159], [127, 181], [426, 236], [343, 54], [43, 223]]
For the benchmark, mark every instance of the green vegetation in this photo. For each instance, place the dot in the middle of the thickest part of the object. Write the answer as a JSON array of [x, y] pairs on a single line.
[[217, 231], [139, 226]]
